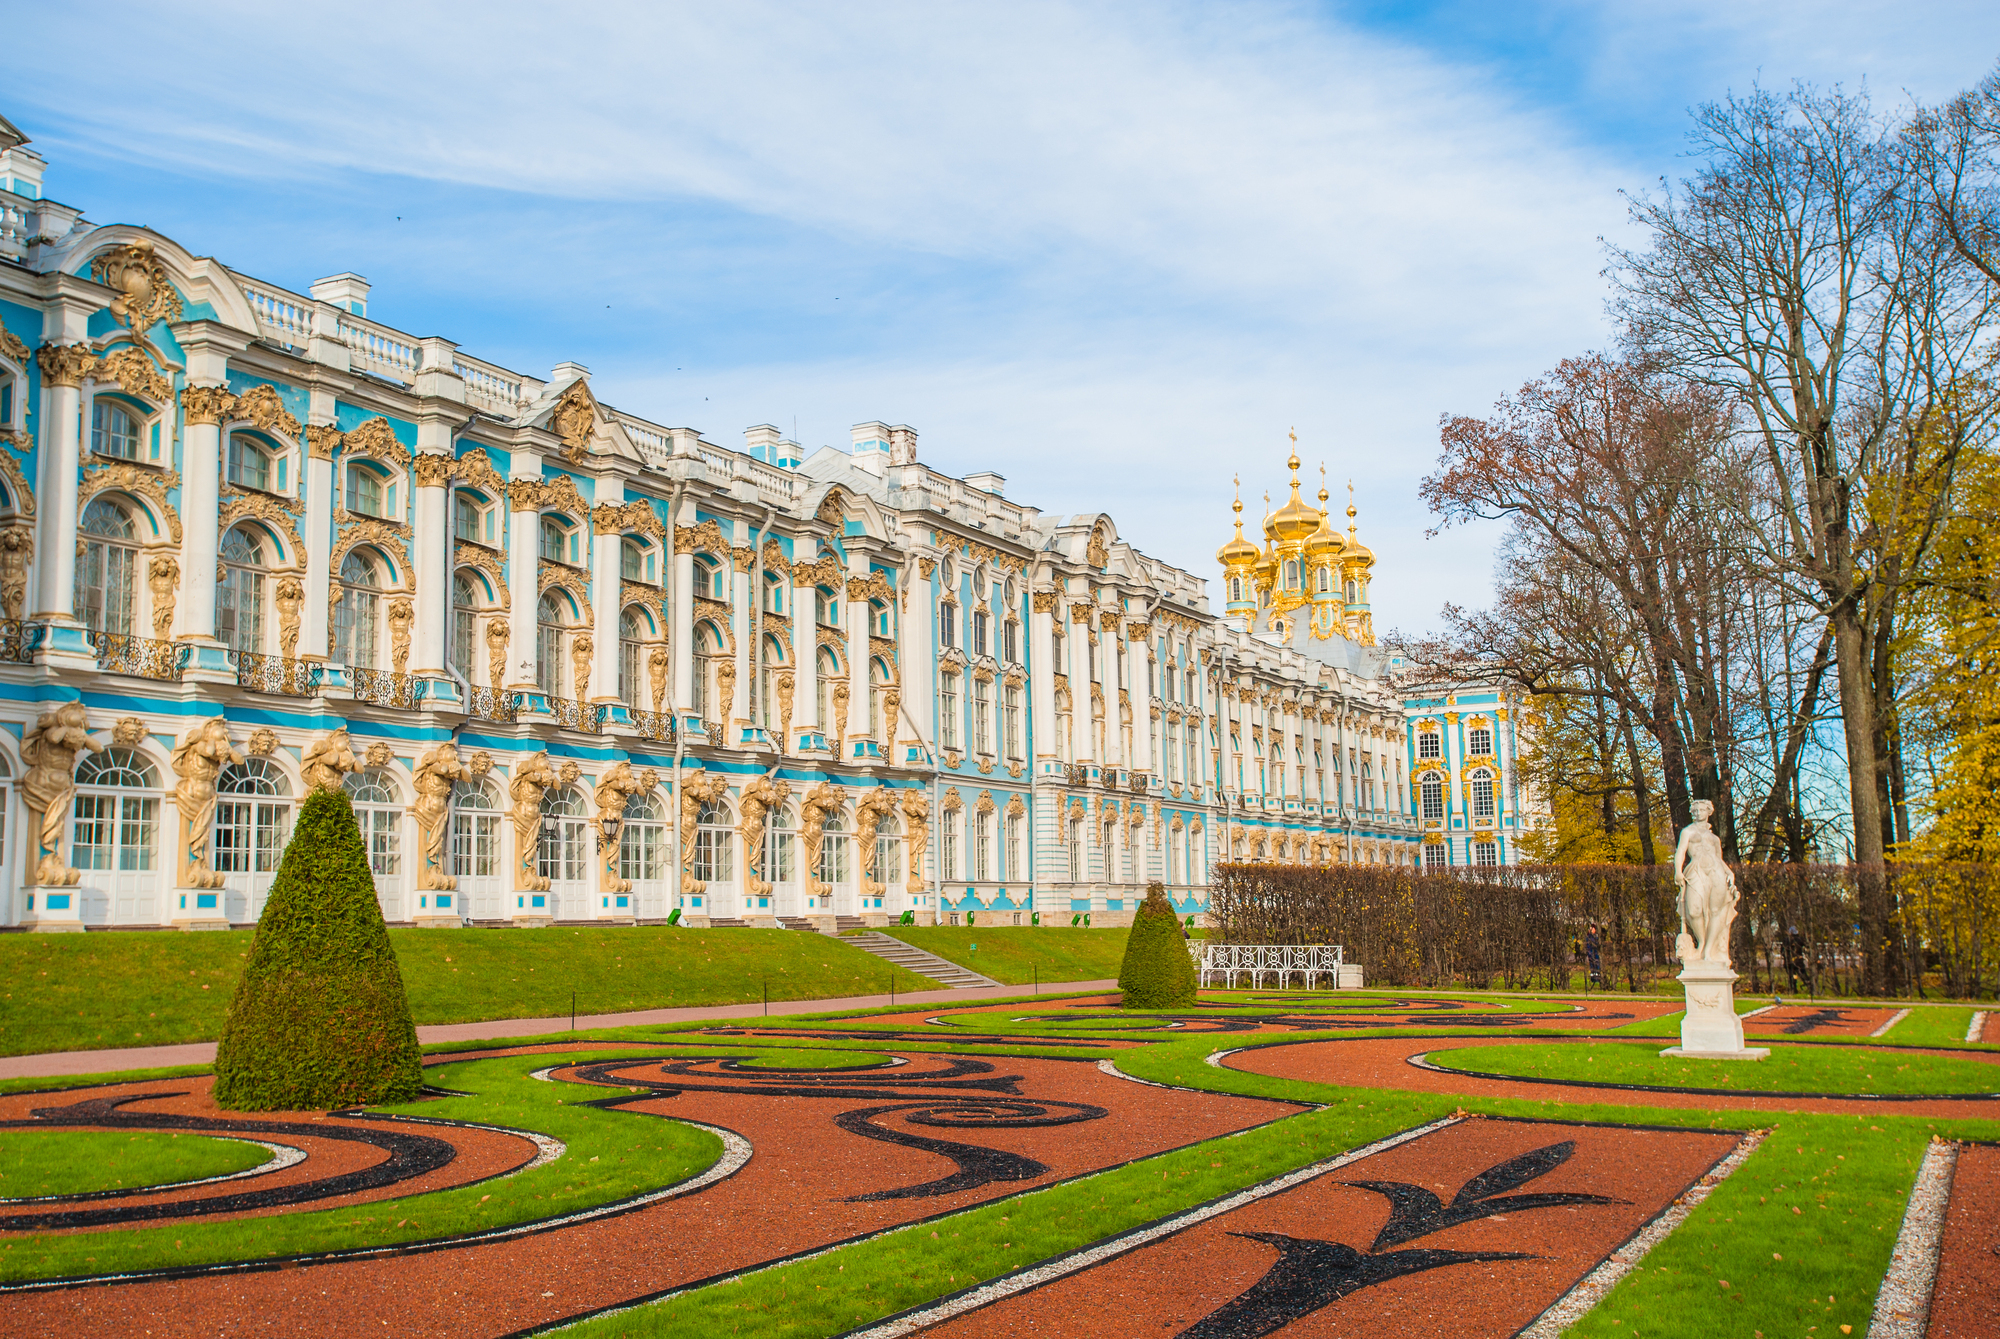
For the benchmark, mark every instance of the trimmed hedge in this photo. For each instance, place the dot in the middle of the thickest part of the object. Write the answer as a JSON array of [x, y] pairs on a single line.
[[320, 1019], [1157, 972]]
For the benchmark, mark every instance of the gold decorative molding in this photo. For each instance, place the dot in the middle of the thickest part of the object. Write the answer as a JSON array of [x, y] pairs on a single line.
[[833, 637], [17, 550], [874, 586], [1097, 551], [926, 568], [163, 578], [262, 409], [637, 514], [321, 439], [385, 533], [240, 506], [465, 554], [431, 470], [17, 486], [558, 493], [1047, 601], [134, 373], [402, 614], [476, 468], [12, 349], [153, 485], [833, 508], [650, 597], [822, 571], [575, 419], [145, 291], [376, 438], [550, 575], [290, 597], [703, 538], [65, 364]]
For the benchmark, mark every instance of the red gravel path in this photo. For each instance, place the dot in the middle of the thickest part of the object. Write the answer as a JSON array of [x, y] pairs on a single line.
[[1169, 1285], [1810, 1019], [788, 1198], [1379, 1062], [1965, 1303]]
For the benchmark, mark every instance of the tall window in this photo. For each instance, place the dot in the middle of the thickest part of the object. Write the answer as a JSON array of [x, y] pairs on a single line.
[[1434, 855], [636, 562], [826, 608], [642, 845], [1428, 745], [711, 581], [470, 520], [889, 852], [354, 617], [1015, 869], [979, 621], [774, 593], [881, 621], [1432, 791], [1479, 742], [834, 851], [631, 645], [376, 811], [948, 711], [1010, 719], [780, 848], [475, 831], [555, 537], [982, 716], [370, 492], [560, 855], [948, 848], [947, 624], [770, 672], [250, 465], [1482, 795], [464, 604], [1076, 870], [828, 671], [1010, 636], [114, 830], [549, 644], [982, 847], [239, 601], [714, 849], [113, 430], [1486, 853], [707, 654], [253, 818], [106, 567]]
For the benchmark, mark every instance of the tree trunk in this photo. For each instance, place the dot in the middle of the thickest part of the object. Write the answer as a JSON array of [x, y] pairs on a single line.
[[1857, 712]]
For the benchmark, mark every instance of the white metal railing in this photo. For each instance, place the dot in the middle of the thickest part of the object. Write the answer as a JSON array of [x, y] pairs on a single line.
[[283, 318], [378, 349], [1282, 961]]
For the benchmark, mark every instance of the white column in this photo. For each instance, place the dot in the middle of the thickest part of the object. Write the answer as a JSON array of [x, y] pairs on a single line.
[[805, 646], [1078, 642], [523, 573], [1043, 666], [917, 660], [432, 542], [860, 689], [55, 538], [1136, 658], [605, 592], [740, 609], [201, 468], [683, 621], [318, 533]]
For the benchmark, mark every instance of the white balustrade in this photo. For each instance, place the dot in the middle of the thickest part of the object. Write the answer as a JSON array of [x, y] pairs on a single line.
[[491, 388], [1281, 961], [378, 349], [282, 318]]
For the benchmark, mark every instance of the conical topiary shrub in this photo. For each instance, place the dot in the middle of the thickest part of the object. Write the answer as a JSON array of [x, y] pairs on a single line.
[[320, 1019], [1157, 972]]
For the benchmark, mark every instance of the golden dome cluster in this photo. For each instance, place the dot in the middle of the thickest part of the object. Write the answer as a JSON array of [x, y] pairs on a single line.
[[1304, 561]]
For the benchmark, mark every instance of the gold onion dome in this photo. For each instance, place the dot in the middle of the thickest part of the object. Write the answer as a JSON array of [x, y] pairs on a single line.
[[1238, 552], [1357, 552], [1297, 519], [1326, 541]]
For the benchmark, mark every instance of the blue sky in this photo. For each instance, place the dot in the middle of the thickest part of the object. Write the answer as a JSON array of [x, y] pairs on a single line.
[[1114, 251]]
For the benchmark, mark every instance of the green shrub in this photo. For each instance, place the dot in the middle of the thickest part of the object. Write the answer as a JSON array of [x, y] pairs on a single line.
[[320, 1019], [1157, 972]]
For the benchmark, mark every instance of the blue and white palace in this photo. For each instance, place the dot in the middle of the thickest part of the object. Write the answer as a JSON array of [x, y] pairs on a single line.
[[571, 664]]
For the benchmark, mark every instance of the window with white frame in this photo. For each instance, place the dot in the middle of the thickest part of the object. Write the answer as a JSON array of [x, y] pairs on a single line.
[[889, 851], [637, 562], [1429, 744], [1077, 871], [474, 519], [380, 816], [631, 650], [1431, 789], [982, 716], [239, 599], [1486, 853], [114, 429], [551, 616], [1015, 868], [371, 491], [948, 710], [1010, 719], [708, 654], [107, 566], [711, 578], [560, 542], [714, 848], [1010, 642], [982, 846], [1482, 796], [355, 614], [253, 818], [948, 847], [113, 828], [643, 851], [464, 621], [780, 848], [979, 622], [252, 464], [1435, 855], [1479, 742], [475, 831], [947, 624], [835, 851]]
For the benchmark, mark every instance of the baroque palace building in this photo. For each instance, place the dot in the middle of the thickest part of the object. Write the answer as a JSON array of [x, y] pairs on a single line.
[[570, 664]]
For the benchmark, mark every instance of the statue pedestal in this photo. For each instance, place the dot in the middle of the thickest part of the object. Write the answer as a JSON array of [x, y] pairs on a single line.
[[1710, 1029]]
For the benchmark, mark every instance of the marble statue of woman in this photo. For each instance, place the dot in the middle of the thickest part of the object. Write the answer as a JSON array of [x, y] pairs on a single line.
[[1707, 891]]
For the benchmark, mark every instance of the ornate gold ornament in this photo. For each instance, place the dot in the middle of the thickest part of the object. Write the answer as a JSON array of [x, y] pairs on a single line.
[[432, 470], [263, 742], [833, 508], [614, 792], [556, 494], [199, 404], [703, 538], [814, 807], [926, 567], [262, 409], [476, 468], [380, 754], [551, 575], [384, 534], [12, 349], [574, 419], [163, 578], [754, 801], [145, 292], [327, 759], [203, 752], [496, 652], [786, 685], [377, 439], [321, 439], [657, 662], [487, 561], [580, 649], [290, 597], [916, 837], [1079, 612], [725, 686], [17, 550], [127, 477], [696, 790], [533, 776], [272, 512], [840, 696], [874, 586], [1097, 552], [65, 364], [49, 750], [823, 571], [436, 772], [638, 514], [134, 372], [401, 615]]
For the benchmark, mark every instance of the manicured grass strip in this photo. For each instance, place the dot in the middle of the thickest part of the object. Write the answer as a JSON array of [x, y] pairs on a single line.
[[780, 1057], [1790, 1069], [1012, 954], [56, 1083], [1669, 1025], [611, 1155], [79, 1162], [911, 1266], [1370, 1001], [686, 1039], [92, 991], [1937, 1025]]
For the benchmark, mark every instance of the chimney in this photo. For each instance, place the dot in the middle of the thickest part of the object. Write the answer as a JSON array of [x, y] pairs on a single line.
[[349, 292], [871, 446], [986, 481]]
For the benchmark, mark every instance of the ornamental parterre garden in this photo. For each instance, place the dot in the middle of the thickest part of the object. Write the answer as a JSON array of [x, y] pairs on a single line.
[[1259, 1162]]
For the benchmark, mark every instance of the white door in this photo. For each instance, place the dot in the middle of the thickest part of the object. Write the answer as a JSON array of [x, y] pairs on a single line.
[[379, 813], [253, 822], [115, 843], [476, 860], [644, 851], [564, 856]]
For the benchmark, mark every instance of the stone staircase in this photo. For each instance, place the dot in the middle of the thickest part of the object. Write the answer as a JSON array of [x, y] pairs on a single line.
[[937, 969]]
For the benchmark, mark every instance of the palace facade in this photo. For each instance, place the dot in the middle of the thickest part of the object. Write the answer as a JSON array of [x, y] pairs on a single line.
[[572, 664]]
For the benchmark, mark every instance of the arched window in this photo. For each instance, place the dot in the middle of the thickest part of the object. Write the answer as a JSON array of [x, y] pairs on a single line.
[[115, 829], [355, 616], [560, 855], [780, 848], [113, 430], [708, 653], [767, 684], [371, 491], [1482, 796], [1325, 580], [1235, 589], [888, 852], [250, 464], [879, 676], [464, 623], [253, 818], [380, 816], [1431, 789], [826, 608], [714, 845], [239, 601], [475, 831], [711, 580], [636, 562], [1350, 600], [828, 671], [642, 845], [882, 621], [107, 568], [774, 593], [1077, 873], [835, 852], [631, 650], [1062, 724], [1291, 575], [549, 614]]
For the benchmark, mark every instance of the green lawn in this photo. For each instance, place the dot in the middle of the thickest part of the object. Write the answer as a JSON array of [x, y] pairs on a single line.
[[1790, 1069], [1012, 954], [34, 1163], [1930, 1026], [92, 991]]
